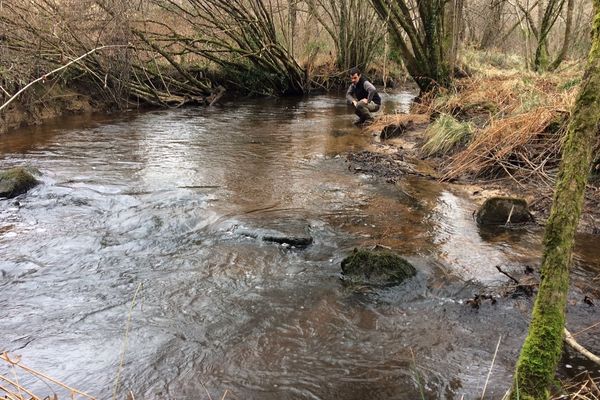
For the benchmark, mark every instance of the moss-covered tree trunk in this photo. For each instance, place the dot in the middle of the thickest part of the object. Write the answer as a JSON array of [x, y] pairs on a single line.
[[543, 346]]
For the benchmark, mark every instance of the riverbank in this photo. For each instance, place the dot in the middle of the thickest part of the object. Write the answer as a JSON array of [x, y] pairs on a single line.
[[497, 132]]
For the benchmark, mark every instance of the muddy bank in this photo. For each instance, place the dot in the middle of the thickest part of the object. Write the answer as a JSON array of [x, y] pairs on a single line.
[[392, 159], [55, 103]]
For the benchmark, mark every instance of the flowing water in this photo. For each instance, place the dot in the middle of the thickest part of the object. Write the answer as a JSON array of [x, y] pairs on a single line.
[[124, 270]]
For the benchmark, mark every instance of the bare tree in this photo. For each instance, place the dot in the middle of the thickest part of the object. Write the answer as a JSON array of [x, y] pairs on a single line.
[[425, 34], [354, 28]]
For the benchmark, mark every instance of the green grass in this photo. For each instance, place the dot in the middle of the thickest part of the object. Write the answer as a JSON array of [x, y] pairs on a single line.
[[570, 84], [445, 134], [482, 60]]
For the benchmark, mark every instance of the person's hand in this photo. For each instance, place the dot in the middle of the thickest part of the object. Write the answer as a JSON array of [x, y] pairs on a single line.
[[364, 101], [354, 103]]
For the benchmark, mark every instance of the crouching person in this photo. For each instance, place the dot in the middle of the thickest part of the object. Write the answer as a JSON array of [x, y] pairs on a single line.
[[363, 96]]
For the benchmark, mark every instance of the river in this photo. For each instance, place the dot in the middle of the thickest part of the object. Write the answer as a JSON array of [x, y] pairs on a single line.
[[123, 272]]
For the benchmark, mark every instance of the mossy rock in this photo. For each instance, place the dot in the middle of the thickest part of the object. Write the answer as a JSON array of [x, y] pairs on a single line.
[[502, 211], [379, 267], [16, 181]]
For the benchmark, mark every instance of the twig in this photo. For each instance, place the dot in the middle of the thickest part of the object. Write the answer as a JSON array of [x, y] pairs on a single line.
[[512, 208], [4, 357], [126, 336], [218, 96], [491, 367], [582, 350], [19, 387], [206, 390], [586, 329], [10, 100], [506, 273], [8, 394]]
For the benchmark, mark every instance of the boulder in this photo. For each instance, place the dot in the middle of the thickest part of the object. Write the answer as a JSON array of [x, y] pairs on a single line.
[[16, 181], [503, 211], [376, 267], [395, 130]]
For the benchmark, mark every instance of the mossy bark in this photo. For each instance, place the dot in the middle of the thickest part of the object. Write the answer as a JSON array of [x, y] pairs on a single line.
[[543, 346]]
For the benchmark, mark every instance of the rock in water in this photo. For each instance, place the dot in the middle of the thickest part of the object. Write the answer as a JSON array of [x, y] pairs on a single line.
[[16, 181], [376, 267], [503, 210], [395, 130], [284, 231]]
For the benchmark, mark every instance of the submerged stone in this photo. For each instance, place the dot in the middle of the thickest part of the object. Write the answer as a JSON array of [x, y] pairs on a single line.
[[379, 267], [290, 233], [16, 181], [502, 211], [297, 241]]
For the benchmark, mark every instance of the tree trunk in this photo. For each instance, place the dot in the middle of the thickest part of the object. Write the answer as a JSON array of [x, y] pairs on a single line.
[[551, 14], [543, 346], [425, 43], [567, 38], [493, 26]]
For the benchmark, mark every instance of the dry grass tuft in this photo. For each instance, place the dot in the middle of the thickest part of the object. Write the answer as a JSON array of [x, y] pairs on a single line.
[[581, 387], [519, 120]]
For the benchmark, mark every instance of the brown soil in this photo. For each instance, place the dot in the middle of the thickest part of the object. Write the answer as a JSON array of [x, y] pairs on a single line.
[[394, 158], [55, 103]]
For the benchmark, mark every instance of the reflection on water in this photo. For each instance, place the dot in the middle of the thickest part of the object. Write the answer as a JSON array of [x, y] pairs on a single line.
[[152, 201]]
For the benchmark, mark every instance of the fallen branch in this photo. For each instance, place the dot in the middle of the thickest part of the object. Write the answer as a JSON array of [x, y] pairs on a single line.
[[570, 340], [45, 76], [507, 274], [217, 95]]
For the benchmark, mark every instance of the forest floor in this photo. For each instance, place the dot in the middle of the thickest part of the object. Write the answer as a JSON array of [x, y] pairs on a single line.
[[498, 132]]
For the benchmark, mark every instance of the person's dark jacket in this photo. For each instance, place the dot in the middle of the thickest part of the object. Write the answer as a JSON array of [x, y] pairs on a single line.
[[363, 90]]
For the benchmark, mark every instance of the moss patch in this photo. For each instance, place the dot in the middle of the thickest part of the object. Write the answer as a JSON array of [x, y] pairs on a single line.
[[376, 268], [16, 181]]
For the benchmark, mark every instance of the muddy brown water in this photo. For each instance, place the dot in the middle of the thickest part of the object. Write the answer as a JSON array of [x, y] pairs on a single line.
[[148, 205]]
